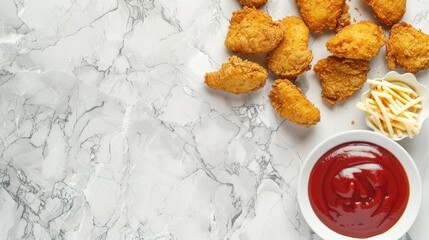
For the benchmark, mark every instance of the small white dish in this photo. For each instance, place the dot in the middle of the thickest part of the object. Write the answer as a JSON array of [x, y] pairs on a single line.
[[411, 81], [411, 211]]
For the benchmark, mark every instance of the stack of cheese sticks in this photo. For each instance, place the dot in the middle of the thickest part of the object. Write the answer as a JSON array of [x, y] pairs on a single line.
[[393, 108]]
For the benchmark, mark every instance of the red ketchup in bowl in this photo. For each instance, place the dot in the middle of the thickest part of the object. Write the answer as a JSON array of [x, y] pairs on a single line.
[[358, 189]]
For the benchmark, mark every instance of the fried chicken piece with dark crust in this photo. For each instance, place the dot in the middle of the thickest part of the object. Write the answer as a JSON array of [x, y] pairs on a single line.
[[388, 12], [253, 3], [237, 76], [408, 48], [253, 31], [341, 77], [292, 57], [290, 104], [324, 14], [361, 40]]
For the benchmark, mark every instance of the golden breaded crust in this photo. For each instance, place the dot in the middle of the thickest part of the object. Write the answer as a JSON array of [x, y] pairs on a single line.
[[321, 14], [344, 19], [253, 3], [362, 40], [253, 31], [237, 76], [408, 48], [289, 103], [292, 57], [341, 77], [388, 12]]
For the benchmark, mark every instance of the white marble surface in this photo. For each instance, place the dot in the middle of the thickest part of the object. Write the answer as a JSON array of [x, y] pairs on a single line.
[[108, 132]]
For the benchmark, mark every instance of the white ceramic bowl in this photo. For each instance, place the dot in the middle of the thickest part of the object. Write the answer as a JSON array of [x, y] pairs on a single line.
[[411, 81], [414, 201]]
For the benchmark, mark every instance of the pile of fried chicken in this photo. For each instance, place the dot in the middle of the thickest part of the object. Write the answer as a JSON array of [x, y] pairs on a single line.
[[253, 31]]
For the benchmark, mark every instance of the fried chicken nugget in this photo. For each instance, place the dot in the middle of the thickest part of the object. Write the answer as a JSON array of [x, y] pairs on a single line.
[[408, 48], [237, 76], [252, 32], [341, 77], [290, 104], [253, 3], [292, 57], [362, 40], [388, 12], [323, 14]]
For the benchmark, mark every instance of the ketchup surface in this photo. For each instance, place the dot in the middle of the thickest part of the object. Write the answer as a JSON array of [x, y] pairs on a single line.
[[358, 189]]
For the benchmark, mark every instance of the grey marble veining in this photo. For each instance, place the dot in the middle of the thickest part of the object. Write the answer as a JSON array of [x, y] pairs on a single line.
[[107, 130]]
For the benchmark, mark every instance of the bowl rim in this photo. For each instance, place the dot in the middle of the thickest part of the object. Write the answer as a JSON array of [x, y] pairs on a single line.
[[409, 79], [415, 197]]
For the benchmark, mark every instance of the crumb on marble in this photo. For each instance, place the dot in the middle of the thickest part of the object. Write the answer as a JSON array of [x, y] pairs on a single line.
[[358, 11]]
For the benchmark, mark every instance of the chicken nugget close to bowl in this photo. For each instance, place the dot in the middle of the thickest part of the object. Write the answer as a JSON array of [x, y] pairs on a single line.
[[341, 77], [408, 48]]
